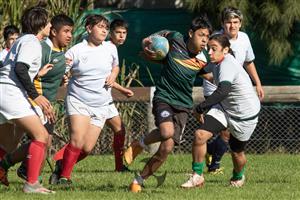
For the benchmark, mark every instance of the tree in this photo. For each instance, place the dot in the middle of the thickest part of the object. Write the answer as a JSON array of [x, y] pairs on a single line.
[[274, 20]]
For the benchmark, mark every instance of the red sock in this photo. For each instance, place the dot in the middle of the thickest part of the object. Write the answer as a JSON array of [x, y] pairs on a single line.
[[2, 153], [35, 156], [60, 153], [69, 160], [82, 156], [118, 145]]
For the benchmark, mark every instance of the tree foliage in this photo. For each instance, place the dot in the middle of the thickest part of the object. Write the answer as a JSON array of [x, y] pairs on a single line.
[[11, 11], [273, 20]]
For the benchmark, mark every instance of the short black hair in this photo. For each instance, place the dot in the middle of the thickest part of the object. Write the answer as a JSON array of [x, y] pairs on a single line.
[[34, 20], [10, 30], [118, 23], [58, 21], [201, 22], [92, 20]]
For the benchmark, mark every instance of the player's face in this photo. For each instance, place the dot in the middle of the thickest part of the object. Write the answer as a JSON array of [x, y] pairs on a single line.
[[232, 27], [63, 36], [198, 40], [216, 51], [98, 33], [118, 35], [11, 39]]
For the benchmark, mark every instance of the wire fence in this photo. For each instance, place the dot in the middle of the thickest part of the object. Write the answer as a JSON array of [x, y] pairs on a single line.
[[278, 129]]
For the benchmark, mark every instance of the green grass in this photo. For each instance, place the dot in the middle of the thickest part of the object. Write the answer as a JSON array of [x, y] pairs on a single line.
[[271, 176]]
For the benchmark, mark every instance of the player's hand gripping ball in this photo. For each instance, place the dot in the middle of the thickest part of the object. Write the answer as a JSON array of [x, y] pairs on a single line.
[[160, 46]]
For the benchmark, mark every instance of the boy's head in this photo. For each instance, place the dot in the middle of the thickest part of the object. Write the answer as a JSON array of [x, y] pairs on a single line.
[[34, 20], [231, 21], [118, 31], [199, 32], [97, 27], [61, 30], [10, 34]]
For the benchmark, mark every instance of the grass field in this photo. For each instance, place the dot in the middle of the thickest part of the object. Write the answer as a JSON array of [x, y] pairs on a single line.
[[271, 176]]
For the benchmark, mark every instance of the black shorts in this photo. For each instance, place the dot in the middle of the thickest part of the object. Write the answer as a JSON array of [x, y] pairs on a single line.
[[164, 112], [212, 125], [236, 145]]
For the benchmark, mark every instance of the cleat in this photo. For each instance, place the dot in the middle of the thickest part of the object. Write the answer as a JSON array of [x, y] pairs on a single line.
[[208, 159], [36, 188], [54, 178], [217, 171], [64, 181], [132, 151], [135, 187], [237, 183], [3, 176], [195, 180]]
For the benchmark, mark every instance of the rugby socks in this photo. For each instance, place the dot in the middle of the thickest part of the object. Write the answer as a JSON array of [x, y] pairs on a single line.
[[238, 175], [70, 158], [198, 167], [2, 153], [118, 145], [35, 157], [220, 148]]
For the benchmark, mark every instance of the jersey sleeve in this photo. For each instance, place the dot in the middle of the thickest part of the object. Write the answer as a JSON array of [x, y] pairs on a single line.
[[29, 53], [115, 56], [225, 72], [249, 51]]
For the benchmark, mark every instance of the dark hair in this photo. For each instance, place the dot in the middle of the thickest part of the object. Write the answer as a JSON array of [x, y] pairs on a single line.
[[223, 40], [201, 22], [10, 30], [92, 20], [58, 21], [34, 20], [230, 13], [118, 23]]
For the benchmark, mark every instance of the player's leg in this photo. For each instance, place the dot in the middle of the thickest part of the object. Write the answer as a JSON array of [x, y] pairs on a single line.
[[241, 132], [239, 161], [219, 146], [201, 136], [166, 146], [78, 126], [21, 171], [118, 128], [162, 113]]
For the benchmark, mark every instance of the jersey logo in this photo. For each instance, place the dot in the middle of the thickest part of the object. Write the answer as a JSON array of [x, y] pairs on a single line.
[[165, 114], [84, 59]]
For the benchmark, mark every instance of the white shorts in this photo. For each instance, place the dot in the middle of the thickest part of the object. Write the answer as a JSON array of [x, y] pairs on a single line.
[[241, 130], [13, 104], [98, 115]]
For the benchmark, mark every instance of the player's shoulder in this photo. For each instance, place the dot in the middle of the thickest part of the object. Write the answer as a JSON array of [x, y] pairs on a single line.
[[243, 36]]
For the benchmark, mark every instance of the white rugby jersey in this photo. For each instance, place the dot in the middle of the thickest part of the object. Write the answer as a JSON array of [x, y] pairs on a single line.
[[243, 52], [242, 101], [3, 54], [27, 49], [90, 67]]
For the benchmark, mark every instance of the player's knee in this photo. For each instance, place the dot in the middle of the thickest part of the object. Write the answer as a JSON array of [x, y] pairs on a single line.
[[201, 137], [167, 134], [225, 135]]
